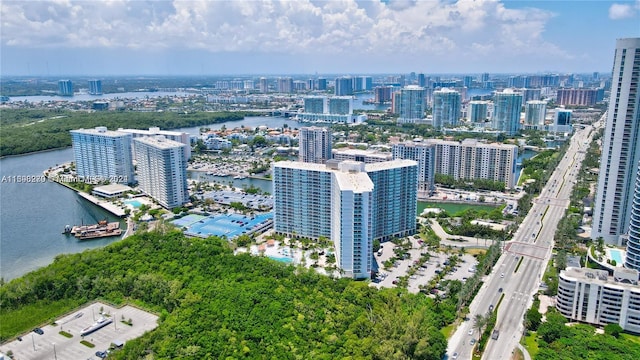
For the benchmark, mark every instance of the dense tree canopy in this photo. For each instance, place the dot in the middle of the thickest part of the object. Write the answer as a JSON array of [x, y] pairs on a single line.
[[213, 304]]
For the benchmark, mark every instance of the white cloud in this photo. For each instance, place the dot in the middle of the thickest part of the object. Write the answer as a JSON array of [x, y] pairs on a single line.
[[288, 27], [623, 11]]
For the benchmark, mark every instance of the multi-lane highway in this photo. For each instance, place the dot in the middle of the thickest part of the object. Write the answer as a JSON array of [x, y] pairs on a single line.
[[518, 272]]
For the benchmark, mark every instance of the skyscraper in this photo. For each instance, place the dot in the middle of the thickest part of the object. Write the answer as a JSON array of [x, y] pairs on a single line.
[[102, 155], [562, 121], [534, 114], [620, 146], [411, 104], [95, 87], [350, 202], [264, 85], [285, 85], [314, 144], [162, 170], [633, 244], [478, 111], [315, 104], [65, 88], [506, 111], [343, 86], [446, 108], [425, 154]]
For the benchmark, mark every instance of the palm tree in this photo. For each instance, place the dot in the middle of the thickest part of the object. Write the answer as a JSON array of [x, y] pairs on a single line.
[[479, 322]]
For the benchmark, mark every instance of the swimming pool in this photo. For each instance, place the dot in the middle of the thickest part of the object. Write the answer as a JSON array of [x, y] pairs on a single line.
[[281, 259], [616, 255], [135, 203]]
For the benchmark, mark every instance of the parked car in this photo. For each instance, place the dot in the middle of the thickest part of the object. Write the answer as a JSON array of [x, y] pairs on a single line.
[[38, 331]]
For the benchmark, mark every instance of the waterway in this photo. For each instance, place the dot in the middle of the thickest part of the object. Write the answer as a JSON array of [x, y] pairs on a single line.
[[33, 215]]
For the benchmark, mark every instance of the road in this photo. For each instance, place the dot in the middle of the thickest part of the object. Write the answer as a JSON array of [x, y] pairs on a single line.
[[518, 272]]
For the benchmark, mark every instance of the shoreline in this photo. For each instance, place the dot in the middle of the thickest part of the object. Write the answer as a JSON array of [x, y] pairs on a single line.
[[34, 152]]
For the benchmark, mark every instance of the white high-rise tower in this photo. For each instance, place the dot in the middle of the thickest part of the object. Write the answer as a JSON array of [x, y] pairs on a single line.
[[620, 146]]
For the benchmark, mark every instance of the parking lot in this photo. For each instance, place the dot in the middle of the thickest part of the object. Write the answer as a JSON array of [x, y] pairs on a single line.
[[425, 272], [53, 345]]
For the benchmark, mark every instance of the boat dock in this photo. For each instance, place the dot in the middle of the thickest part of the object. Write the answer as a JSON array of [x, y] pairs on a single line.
[[112, 208]]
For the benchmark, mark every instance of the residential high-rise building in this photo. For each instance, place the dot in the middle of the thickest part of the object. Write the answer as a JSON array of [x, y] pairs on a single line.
[[350, 202], [411, 104], [322, 84], [506, 111], [315, 104], [264, 85], [285, 85], [446, 108], [343, 86], [531, 94], [65, 88], [422, 80], [478, 111], [633, 243], [162, 170], [95, 87], [620, 146], [365, 156], [535, 112], [314, 144], [102, 155], [425, 154], [181, 137], [467, 81], [579, 97], [562, 121], [594, 297], [382, 94], [342, 105]]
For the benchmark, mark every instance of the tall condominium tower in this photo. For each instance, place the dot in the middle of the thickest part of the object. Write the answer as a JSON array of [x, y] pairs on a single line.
[[181, 137], [343, 86], [102, 155], [411, 104], [315, 104], [342, 105], [264, 85], [95, 87], [285, 85], [446, 108], [534, 113], [65, 88], [478, 111], [506, 112], [314, 144], [633, 244], [162, 170], [620, 146], [425, 154], [350, 202]]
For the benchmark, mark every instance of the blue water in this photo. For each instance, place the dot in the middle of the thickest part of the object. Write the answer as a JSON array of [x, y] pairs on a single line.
[[135, 203], [616, 255], [281, 259]]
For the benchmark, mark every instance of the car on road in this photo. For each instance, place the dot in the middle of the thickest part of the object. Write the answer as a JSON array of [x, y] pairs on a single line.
[[500, 290], [491, 307], [454, 356], [502, 275], [472, 342], [101, 354], [470, 332], [38, 331]]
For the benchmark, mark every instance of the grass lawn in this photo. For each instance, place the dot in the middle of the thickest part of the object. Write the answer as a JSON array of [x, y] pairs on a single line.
[[452, 208], [531, 344], [475, 251], [633, 338], [15, 322], [447, 330]]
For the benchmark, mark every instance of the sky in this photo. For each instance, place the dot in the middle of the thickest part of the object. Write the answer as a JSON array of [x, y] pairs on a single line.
[[198, 37]]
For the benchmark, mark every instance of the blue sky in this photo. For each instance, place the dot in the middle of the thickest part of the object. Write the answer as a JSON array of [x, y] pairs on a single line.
[[67, 37]]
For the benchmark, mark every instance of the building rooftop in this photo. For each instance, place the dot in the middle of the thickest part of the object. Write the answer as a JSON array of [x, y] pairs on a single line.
[[159, 142], [386, 165], [621, 277], [100, 130], [358, 182], [152, 131], [112, 188]]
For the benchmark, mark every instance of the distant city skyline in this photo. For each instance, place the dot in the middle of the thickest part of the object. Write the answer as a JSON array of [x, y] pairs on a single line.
[[176, 38]]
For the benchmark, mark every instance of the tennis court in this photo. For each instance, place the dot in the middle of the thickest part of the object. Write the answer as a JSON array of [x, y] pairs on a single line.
[[228, 225]]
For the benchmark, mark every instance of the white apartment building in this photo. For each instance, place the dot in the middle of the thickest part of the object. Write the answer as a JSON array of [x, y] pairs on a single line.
[[425, 154], [633, 244], [365, 156], [593, 297], [535, 111], [162, 170], [411, 103], [102, 155], [506, 111], [315, 144], [349, 202], [620, 146], [180, 137]]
